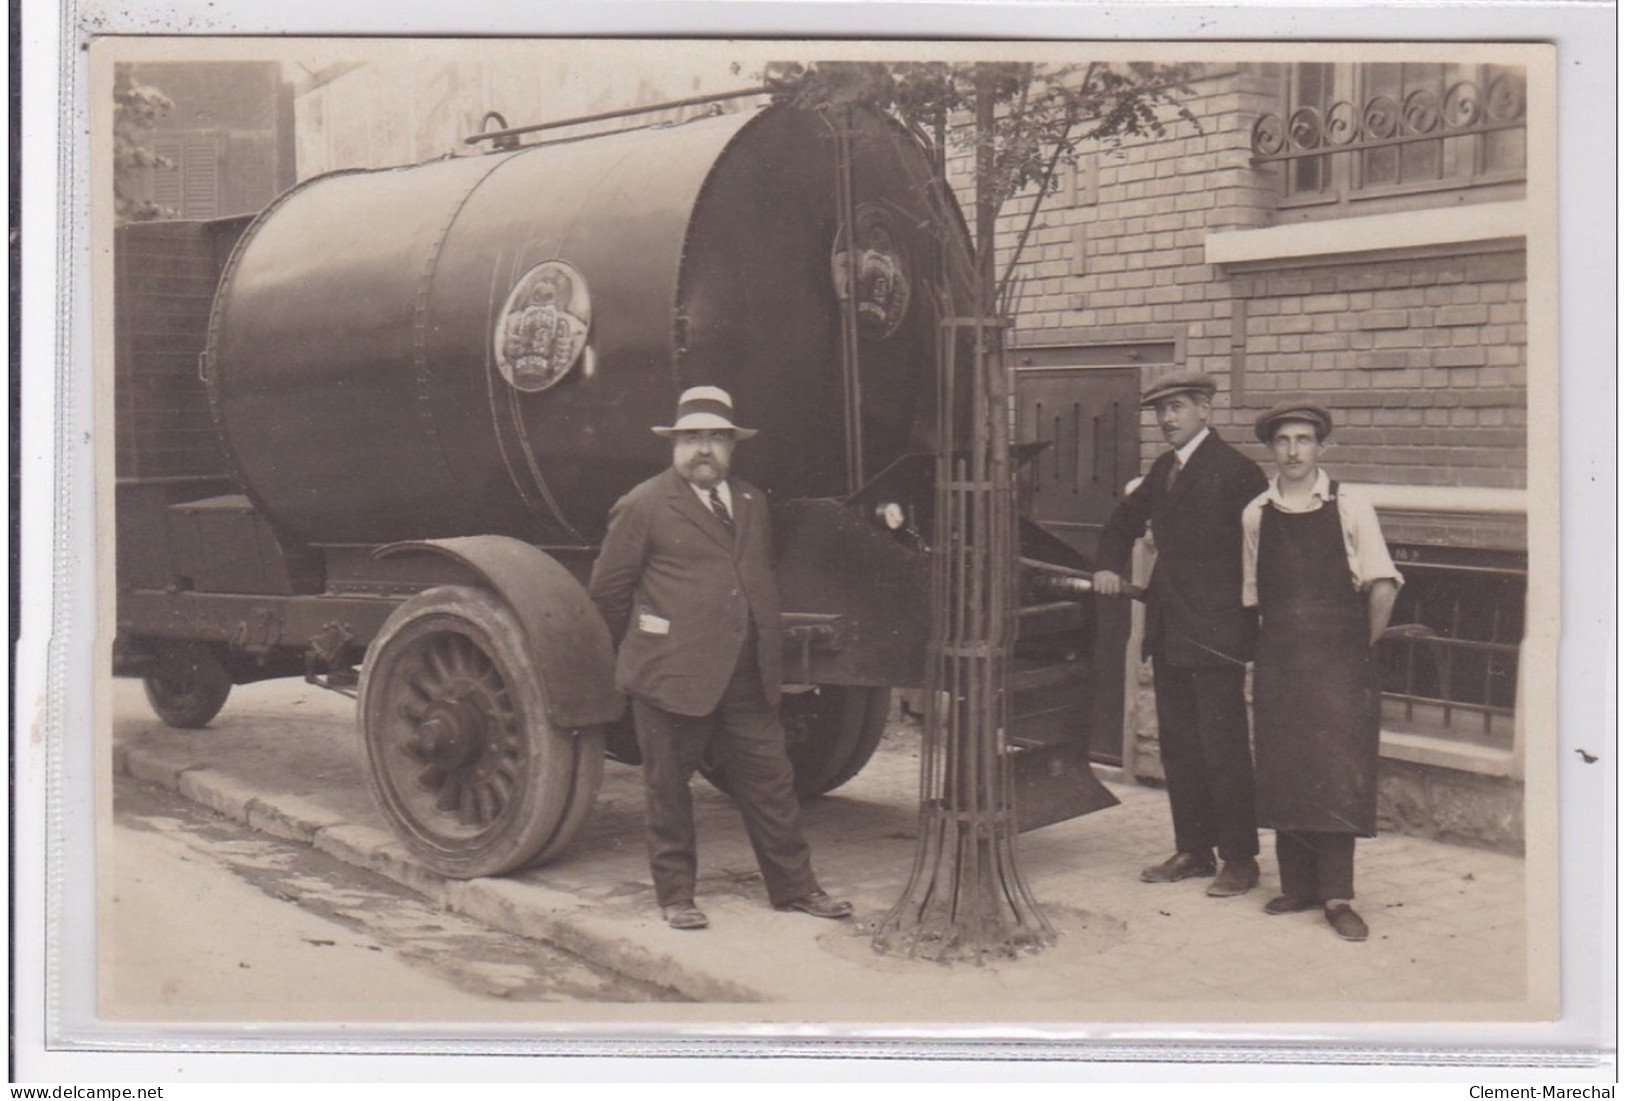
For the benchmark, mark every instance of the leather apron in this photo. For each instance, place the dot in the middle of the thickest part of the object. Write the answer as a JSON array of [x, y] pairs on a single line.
[[1316, 695]]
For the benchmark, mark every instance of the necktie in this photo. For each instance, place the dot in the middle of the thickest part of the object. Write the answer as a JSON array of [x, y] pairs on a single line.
[[1173, 474], [721, 509]]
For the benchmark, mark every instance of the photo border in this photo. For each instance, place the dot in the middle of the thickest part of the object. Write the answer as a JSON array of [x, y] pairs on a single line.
[[53, 673]]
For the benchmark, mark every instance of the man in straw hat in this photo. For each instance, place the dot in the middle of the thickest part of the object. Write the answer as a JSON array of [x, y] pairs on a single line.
[[1324, 585], [685, 582], [1197, 634]]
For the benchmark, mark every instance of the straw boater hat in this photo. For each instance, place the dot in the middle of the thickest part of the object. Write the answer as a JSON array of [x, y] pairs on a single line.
[[1308, 412], [1179, 382], [703, 408]]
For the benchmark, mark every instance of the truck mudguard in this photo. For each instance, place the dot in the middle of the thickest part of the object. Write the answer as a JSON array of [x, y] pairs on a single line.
[[569, 642]]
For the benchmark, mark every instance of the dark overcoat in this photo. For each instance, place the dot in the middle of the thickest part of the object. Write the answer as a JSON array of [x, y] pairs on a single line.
[[680, 593], [1194, 615]]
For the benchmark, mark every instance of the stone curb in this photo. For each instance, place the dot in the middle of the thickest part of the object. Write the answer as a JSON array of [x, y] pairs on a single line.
[[563, 921], [523, 909], [290, 818], [218, 792]]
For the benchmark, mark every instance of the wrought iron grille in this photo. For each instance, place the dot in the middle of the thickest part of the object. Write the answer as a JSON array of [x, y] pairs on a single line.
[[1402, 124], [1450, 663]]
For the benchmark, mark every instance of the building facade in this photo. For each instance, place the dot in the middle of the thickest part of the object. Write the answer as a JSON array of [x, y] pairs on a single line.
[[228, 139], [386, 113]]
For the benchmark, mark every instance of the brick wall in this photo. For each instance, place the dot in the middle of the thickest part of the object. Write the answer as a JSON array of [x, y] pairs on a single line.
[[1422, 360], [1117, 254]]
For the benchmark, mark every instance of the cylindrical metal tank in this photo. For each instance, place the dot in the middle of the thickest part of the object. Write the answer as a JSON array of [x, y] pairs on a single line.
[[480, 344]]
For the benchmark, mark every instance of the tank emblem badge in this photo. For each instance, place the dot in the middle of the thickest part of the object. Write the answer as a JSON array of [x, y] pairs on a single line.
[[542, 329], [883, 282]]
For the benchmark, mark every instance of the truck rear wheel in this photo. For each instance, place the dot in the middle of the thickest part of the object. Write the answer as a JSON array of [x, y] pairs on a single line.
[[462, 760], [830, 732], [188, 684], [869, 725]]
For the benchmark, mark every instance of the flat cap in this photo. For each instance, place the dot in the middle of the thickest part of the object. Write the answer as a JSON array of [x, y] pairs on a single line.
[[1179, 382], [1270, 419]]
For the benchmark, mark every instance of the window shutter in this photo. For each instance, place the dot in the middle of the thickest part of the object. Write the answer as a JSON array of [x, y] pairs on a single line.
[[201, 178], [164, 184]]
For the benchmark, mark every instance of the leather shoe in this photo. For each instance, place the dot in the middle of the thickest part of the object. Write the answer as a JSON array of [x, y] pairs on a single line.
[[1177, 867], [684, 915], [1237, 877], [818, 904], [1347, 924], [1289, 904]]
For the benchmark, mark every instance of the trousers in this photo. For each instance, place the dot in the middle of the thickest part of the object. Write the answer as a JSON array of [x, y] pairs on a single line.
[[1314, 864], [1207, 758], [744, 737]]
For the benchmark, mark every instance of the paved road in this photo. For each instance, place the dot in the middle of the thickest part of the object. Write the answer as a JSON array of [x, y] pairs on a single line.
[[209, 918]]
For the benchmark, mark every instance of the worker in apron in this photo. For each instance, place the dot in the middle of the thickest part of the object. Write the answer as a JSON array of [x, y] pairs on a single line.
[[1316, 567]]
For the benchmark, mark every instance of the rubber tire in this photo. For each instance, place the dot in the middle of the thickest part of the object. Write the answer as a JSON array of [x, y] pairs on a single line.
[[552, 776], [831, 731], [871, 728], [190, 685]]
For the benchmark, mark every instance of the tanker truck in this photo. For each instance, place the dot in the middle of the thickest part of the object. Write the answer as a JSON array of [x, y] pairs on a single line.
[[370, 437]]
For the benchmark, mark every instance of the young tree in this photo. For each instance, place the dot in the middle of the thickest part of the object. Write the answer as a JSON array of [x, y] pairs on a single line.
[[1018, 123], [1021, 121], [136, 109]]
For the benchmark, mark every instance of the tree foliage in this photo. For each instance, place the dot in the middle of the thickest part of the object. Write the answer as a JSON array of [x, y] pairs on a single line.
[[136, 110], [1042, 116], [1040, 110]]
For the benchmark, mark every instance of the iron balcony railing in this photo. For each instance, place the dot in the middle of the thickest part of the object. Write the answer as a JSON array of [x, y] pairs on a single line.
[[1384, 121]]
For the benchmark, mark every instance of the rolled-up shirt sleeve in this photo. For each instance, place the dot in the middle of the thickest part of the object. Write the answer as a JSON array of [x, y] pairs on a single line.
[[1369, 560], [1251, 519]]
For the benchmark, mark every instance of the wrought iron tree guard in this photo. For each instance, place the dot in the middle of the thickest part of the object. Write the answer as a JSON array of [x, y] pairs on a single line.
[[966, 898]]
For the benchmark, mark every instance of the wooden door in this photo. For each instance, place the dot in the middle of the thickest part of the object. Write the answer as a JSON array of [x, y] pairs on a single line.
[[1090, 420], [1084, 403]]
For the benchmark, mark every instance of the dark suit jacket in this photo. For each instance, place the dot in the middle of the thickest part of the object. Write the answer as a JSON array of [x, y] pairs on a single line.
[[668, 557], [1194, 615]]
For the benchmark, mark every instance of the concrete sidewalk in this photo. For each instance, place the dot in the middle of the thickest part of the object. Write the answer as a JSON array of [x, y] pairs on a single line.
[[1448, 927]]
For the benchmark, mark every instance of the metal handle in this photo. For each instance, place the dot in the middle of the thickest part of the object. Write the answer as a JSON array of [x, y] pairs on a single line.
[[1065, 581]]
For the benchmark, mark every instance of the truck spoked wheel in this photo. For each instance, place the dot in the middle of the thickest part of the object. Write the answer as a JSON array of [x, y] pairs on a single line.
[[461, 757], [189, 683], [831, 731]]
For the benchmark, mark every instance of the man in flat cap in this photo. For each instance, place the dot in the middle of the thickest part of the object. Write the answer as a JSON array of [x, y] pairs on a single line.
[[1197, 634], [1317, 568], [685, 583]]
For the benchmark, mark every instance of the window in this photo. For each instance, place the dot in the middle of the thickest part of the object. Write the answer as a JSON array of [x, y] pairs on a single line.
[[1351, 132], [191, 185], [1313, 92], [1450, 661], [1441, 99]]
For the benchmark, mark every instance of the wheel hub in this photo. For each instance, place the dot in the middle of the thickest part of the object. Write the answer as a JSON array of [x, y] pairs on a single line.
[[457, 734], [452, 734]]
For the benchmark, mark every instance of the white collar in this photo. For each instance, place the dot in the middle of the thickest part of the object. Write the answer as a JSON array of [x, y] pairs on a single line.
[[1321, 490], [722, 491], [1183, 454]]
